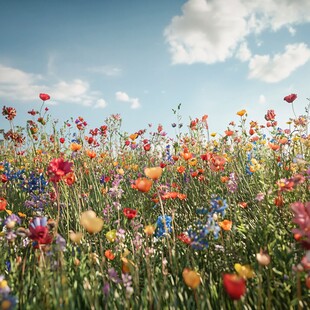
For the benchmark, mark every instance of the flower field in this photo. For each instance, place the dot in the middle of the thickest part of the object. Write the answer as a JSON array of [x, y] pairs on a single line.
[[97, 218]]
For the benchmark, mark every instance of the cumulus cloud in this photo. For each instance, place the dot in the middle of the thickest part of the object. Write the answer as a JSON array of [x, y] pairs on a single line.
[[17, 85], [211, 31], [207, 31], [122, 96], [276, 68]]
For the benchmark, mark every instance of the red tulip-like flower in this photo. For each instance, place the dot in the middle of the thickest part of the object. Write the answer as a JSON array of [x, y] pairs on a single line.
[[39, 231], [270, 115], [234, 285], [44, 97], [130, 213], [290, 98], [58, 168]]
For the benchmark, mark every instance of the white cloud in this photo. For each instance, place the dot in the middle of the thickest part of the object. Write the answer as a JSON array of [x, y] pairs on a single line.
[[17, 85], [111, 71], [279, 67], [101, 103], [244, 54], [262, 99], [122, 96], [211, 31], [207, 31]]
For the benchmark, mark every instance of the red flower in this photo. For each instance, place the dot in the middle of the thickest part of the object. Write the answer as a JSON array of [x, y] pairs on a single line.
[[290, 98], [58, 168], [39, 231], [44, 97], [185, 238], [130, 213], [234, 285], [62, 140], [3, 203]]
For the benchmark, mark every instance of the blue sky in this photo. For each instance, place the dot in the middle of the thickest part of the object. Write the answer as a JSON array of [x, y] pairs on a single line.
[[142, 58]]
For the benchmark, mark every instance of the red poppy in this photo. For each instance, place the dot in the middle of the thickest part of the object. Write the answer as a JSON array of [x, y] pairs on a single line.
[[44, 97], [4, 178], [290, 98], [130, 213], [62, 140], [234, 285]]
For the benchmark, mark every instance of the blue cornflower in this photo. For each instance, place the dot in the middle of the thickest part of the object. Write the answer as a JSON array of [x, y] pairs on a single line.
[[160, 225], [218, 205]]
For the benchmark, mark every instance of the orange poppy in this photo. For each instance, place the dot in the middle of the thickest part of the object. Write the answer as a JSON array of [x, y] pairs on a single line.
[[91, 154], [274, 146], [226, 225], [181, 169], [143, 184], [75, 147], [109, 254], [229, 133], [153, 173], [241, 112]]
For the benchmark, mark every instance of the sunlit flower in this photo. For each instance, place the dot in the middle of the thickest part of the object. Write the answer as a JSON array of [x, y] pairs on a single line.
[[91, 222], [143, 184], [75, 147], [153, 173]]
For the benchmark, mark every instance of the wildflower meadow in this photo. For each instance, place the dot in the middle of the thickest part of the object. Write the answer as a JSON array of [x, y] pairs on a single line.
[[98, 218]]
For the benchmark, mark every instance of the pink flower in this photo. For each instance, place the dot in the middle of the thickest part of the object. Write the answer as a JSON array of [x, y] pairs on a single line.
[[270, 115], [290, 98], [302, 219], [58, 168]]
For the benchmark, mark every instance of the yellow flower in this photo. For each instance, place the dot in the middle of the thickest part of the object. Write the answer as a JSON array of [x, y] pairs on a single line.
[[149, 230], [111, 235], [213, 134], [76, 237], [241, 112], [192, 162], [245, 271], [91, 222]]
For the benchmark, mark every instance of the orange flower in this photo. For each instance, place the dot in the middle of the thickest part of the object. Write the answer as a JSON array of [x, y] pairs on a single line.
[[226, 225], [243, 204], [153, 173], [186, 155], [149, 230], [274, 146], [241, 112], [109, 254], [224, 179], [3, 203], [283, 140], [181, 169], [191, 278], [69, 178], [143, 184], [75, 147], [91, 154], [133, 136], [229, 133]]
